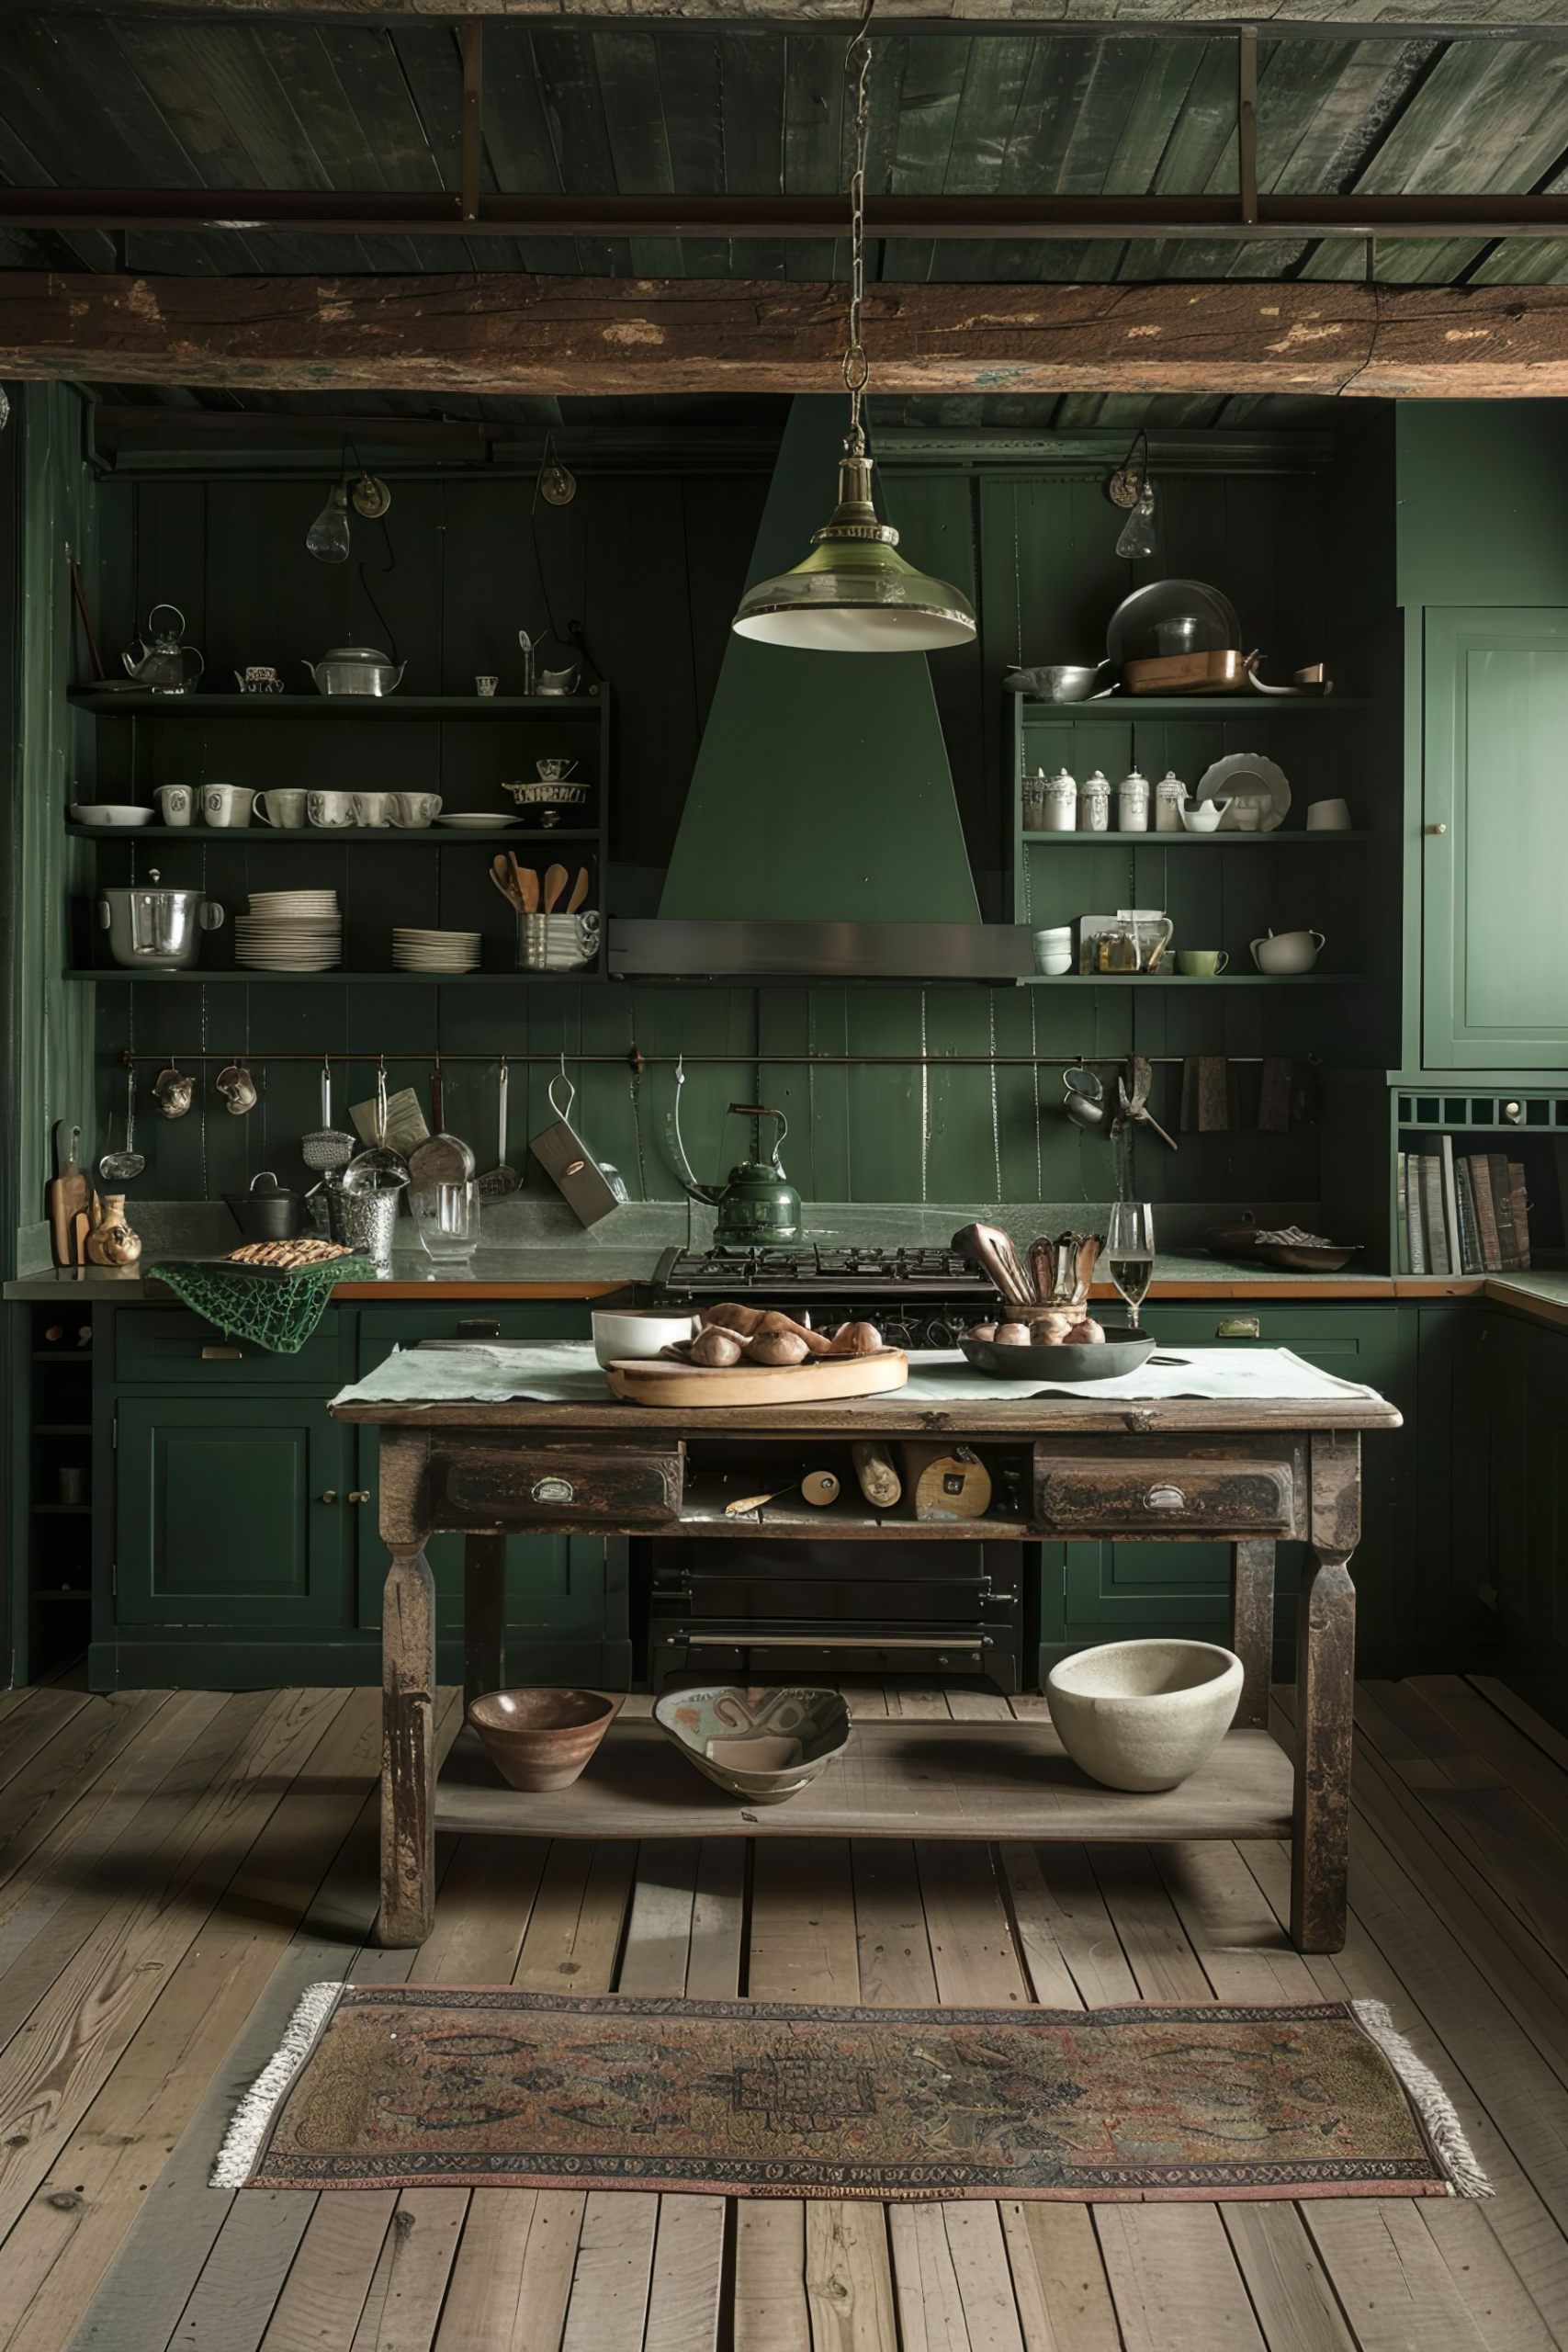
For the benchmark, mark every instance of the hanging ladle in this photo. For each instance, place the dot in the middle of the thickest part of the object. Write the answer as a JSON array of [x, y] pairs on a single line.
[[124, 1167]]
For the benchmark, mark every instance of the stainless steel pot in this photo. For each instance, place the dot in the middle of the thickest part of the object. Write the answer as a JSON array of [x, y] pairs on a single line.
[[154, 927], [356, 669], [557, 943]]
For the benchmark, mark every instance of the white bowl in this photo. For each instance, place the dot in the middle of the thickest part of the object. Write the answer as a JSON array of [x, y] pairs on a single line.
[[1205, 817], [1053, 963], [636, 1333], [1144, 1714], [1284, 952], [109, 812]]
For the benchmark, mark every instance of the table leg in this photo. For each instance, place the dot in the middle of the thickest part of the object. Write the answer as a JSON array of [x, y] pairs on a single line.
[[1252, 1625], [1325, 1688], [408, 1751], [484, 1614]]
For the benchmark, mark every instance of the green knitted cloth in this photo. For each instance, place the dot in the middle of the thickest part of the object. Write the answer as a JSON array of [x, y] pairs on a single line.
[[279, 1312]]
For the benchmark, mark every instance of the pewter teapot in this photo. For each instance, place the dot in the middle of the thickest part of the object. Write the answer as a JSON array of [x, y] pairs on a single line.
[[356, 669], [164, 665]]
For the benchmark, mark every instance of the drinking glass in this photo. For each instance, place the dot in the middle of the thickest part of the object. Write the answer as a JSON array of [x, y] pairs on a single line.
[[1130, 1252], [446, 1217]]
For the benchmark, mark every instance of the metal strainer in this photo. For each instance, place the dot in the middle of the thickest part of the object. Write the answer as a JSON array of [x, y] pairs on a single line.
[[327, 1148]]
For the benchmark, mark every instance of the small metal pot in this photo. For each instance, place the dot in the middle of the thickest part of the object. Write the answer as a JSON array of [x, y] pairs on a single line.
[[557, 943], [268, 1212], [154, 927], [364, 1221]]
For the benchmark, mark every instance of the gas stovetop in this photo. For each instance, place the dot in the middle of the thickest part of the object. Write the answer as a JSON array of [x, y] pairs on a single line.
[[805, 1271]]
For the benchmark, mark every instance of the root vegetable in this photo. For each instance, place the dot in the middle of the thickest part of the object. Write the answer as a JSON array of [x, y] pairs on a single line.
[[1089, 1333], [716, 1349], [1012, 1335], [857, 1340], [817, 1342], [1050, 1330], [732, 1317], [777, 1348], [982, 1331]]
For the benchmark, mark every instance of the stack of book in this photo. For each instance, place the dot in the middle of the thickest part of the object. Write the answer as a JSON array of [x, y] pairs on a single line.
[[1464, 1216]]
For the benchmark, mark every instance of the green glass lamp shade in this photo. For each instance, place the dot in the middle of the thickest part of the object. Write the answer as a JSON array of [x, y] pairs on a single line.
[[854, 592]]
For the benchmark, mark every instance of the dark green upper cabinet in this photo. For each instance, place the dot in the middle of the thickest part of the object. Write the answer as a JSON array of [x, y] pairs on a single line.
[[1494, 846]]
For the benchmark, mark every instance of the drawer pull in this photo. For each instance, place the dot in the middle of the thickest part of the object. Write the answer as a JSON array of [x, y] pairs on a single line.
[[1166, 1499], [553, 1490], [330, 1495], [1237, 1326], [359, 1495], [222, 1355]]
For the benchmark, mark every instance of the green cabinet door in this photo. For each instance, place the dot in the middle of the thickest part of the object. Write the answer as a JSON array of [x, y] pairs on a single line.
[[566, 1595], [1494, 847], [1111, 1592], [230, 1511]]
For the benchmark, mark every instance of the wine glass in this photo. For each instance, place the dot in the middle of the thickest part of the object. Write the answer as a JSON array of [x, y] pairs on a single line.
[[1130, 1252]]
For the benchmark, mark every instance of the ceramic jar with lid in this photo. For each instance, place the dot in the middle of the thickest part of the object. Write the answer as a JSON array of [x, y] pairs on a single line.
[[1094, 804], [1170, 799], [1061, 803], [1133, 797], [1035, 801]]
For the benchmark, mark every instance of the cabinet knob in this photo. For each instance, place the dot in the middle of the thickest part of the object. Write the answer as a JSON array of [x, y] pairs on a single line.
[[1513, 1113], [330, 1496], [359, 1494], [1436, 828]]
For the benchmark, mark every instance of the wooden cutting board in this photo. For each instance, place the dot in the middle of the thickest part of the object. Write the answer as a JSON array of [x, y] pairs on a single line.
[[816, 1382]]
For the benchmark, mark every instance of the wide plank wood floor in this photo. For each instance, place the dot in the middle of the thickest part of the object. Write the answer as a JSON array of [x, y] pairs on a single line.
[[175, 1866]]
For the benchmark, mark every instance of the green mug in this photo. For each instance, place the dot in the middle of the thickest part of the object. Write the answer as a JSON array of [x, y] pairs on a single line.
[[1203, 963]]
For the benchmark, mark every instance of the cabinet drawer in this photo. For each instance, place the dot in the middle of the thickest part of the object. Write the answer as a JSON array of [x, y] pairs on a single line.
[[1097, 1497], [178, 1349], [524, 1485]]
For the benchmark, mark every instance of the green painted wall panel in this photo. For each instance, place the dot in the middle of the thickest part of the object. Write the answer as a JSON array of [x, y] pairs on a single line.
[[1483, 491]]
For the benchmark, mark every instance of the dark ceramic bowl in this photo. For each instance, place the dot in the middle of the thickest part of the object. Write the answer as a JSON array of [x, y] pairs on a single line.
[[542, 1739], [1120, 1351]]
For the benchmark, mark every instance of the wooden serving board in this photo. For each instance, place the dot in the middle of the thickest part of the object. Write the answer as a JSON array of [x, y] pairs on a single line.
[[817, 1381]]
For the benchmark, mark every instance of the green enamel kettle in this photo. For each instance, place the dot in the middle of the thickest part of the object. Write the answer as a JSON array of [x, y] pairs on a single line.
[[759, 1207]]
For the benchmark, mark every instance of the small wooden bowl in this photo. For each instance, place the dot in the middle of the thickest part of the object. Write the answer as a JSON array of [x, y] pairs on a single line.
[[542, 1739]]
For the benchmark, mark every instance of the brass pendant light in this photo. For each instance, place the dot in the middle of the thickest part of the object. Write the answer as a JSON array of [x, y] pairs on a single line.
[[854, 592]]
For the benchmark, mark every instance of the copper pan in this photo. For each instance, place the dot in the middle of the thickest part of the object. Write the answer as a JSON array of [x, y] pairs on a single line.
[[1189, 673]]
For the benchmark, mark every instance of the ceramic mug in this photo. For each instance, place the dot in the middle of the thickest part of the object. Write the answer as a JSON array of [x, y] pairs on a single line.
[[413, 809], [284, 808], [1328, 817], [329, 808], [227, 804], [176, 803], [372, 808], [1203, 963], [486, 684]]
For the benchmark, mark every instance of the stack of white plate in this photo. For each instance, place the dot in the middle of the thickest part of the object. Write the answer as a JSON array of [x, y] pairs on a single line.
[[290, 931], [436, 951]]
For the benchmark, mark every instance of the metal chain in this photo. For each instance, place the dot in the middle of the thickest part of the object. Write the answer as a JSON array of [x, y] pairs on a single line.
[[857, 366]]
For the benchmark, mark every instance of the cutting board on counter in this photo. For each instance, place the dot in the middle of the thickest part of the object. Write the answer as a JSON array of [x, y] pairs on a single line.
[[820, 1381]]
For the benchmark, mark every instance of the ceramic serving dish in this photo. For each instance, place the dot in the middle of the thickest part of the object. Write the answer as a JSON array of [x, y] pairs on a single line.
[[642, 1333], [109, 812], [542, 1739], [760, 1744], [1144, 1714], [1308, 1258], [1122, 1352]]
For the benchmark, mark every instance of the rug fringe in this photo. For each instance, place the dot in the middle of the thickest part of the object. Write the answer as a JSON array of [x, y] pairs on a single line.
[[1430, 2100], [246, 2135]]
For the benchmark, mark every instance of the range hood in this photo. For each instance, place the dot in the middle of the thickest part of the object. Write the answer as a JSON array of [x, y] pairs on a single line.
[[821, 835]]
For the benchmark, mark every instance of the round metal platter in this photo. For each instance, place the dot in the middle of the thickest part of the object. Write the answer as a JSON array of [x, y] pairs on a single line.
[[1130, 633]]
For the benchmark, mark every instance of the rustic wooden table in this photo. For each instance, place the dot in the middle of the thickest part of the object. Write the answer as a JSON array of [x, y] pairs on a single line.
[[1251, 1473]]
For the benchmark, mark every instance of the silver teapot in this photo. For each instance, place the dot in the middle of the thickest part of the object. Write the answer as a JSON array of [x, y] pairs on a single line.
[[356, 669], [159, 660]]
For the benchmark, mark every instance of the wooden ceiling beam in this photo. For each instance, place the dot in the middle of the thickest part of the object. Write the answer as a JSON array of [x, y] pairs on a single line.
[[494, 333]]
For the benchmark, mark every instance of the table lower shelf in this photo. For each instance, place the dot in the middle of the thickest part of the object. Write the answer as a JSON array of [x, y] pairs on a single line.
[[896, 1780]]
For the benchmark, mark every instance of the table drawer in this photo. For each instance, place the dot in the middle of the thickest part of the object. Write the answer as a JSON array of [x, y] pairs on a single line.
[[528, 1485], [1100, 1497]]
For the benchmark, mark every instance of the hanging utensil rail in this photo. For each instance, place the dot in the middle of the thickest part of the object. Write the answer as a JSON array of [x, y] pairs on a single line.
[[635, 1060]]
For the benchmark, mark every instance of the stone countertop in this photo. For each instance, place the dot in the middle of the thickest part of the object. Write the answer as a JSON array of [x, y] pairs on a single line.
[[587, 1271]]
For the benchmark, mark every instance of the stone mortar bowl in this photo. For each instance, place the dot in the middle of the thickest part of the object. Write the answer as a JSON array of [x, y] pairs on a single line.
[[1144, 1714], [542, 1739]]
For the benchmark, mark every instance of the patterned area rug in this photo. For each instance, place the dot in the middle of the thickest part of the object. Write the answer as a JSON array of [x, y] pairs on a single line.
[[410, 2086]]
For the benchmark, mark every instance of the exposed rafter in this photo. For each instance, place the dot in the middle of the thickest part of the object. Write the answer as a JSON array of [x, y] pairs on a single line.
[[503, 334], [1299, 20]]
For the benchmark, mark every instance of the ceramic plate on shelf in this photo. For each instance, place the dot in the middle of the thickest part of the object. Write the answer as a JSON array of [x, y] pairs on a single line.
[[482, 824], [1249, 780]]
